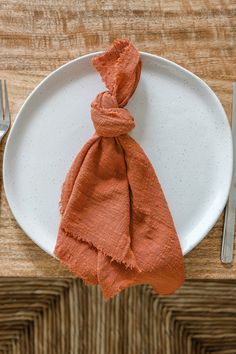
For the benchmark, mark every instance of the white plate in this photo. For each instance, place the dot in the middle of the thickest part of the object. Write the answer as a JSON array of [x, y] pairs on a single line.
[[180, 123]]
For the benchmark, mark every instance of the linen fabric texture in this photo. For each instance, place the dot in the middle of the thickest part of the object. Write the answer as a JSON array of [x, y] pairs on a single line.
[[116, 229]]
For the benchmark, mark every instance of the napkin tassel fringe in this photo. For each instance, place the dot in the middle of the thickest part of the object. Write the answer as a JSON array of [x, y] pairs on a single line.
[[122, 261]]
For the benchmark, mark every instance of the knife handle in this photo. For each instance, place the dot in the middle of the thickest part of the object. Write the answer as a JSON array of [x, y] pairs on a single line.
[[227, 249], [228, 233]]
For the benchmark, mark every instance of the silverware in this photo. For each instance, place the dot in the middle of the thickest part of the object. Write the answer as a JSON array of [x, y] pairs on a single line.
[[4, 111], [229, 221]]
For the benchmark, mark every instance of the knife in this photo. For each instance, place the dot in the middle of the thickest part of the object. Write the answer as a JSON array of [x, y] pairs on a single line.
[[229, 221]]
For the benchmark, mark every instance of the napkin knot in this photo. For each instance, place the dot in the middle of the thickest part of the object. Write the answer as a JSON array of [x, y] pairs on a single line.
[[108, 118]]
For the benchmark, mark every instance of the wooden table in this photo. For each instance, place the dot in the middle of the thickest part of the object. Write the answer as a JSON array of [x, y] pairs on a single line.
[[37, 36]]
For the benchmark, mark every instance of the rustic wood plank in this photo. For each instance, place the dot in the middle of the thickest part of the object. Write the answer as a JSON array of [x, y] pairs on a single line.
[[38, 36]]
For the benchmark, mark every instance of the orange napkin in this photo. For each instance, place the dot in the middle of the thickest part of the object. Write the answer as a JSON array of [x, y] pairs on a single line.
[[116, 228]]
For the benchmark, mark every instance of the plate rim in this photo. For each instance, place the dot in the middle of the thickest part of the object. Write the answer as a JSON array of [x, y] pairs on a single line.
[[224, 198]]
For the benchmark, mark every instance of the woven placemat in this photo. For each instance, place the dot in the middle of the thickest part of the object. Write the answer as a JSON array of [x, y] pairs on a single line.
[[49, 316]]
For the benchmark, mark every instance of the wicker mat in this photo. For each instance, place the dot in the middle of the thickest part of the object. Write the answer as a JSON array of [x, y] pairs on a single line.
[[49, 316]]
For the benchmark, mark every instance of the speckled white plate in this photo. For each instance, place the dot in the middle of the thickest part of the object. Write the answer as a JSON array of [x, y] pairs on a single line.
[[180, 123]]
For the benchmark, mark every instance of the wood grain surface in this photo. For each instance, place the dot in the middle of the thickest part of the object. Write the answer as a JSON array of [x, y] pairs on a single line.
[[37, 36]]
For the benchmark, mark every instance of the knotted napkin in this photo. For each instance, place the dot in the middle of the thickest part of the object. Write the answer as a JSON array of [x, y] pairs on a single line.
[[116, 228]]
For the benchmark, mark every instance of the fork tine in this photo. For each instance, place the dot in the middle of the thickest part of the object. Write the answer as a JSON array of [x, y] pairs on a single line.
[[7, 110], [1, 102]]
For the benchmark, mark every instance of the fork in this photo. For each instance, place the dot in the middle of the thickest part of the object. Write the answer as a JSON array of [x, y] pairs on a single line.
[[4, 112]]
